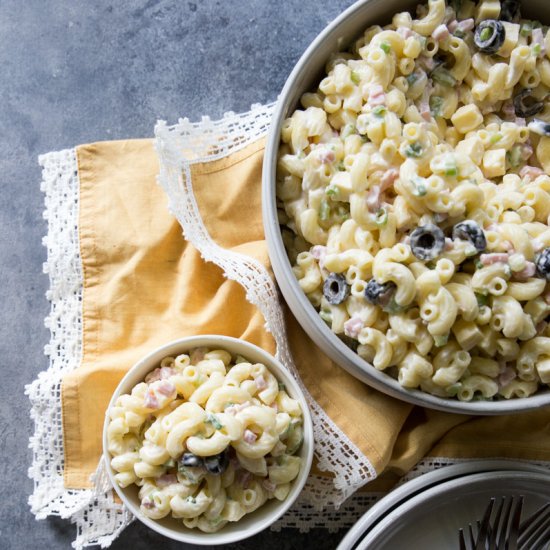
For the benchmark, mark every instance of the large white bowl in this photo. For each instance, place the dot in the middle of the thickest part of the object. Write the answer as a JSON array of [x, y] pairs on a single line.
[[306, 75], [273, 509]]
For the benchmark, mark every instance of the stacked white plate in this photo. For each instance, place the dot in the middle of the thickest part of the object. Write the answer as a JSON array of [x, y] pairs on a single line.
[[427, 512]]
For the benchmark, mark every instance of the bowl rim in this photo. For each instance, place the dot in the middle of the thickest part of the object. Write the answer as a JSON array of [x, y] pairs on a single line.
[[242, 347], [303, 310]]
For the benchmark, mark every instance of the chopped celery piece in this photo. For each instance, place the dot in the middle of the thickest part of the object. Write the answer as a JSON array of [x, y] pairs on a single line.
[[514, 156], [453, 389], [386, 47], [393, 307], [441, 340], [326, 316], [324, 211], [348, 130], [381, 217], [379, 111]]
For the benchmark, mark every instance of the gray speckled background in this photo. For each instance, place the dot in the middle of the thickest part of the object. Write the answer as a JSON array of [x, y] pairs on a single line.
[[77, 71]]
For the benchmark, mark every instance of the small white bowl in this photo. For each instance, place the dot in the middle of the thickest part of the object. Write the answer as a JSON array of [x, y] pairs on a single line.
[[264, 516]]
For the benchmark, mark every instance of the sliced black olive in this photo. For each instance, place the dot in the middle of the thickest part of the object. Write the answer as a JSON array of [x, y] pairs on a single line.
[[336, 289], [543, 264], [427, 242], [469, 230], [191, 460], [379, 293], [526, 105], [216, 464], [539, 127], [489, 36], [509, 10]]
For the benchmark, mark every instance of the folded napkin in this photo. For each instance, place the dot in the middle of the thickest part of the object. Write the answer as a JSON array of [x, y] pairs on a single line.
[[126, 281]]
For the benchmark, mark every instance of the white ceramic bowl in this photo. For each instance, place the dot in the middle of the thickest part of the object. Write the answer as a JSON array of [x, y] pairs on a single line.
[[264, 516], [306, 75]]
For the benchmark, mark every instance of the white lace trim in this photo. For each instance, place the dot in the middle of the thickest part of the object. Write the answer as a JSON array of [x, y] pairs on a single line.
[[60, 186], [178, 148]]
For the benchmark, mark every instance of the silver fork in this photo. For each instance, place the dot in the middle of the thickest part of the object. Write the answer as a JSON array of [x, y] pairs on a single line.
[[535, 530], [499, 532]]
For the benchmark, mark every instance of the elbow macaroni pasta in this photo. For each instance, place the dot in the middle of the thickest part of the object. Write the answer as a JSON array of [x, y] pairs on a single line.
[[207, 437], [417, 127]]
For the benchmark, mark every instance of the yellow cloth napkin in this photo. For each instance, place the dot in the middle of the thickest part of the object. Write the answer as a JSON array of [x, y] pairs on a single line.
[[144, 285]]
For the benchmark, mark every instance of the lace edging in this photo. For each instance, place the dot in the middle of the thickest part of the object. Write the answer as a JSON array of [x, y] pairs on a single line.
[[60, 186]]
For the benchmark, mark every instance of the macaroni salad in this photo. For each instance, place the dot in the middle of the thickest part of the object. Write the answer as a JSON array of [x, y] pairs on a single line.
[[414, 193], [207, 438]]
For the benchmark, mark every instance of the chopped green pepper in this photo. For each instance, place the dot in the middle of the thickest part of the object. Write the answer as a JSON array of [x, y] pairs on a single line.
[[482, 299], [514, 156], [386, 47], [324, 211], [348, 130], [526, 29], [414, 150], [444, 77], [213, 419], [331, 191], [419, 187], [436, 102]]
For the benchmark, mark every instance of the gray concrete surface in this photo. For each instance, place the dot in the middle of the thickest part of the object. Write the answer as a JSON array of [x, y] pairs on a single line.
[[76, 71]]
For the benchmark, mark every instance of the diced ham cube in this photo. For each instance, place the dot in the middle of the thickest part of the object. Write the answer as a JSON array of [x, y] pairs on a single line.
[[269, 485], [506, 376], [166, 372], [405, 32], [441, 32], [260, 382], [249, 436], [376, 95], [527, 272], [373, 199], [530, 172], [153, 376], [150, 401], [353, 326], [466, 25], [166, 388], [166, 479], [489, 259], [327, 156], [387, 179]]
